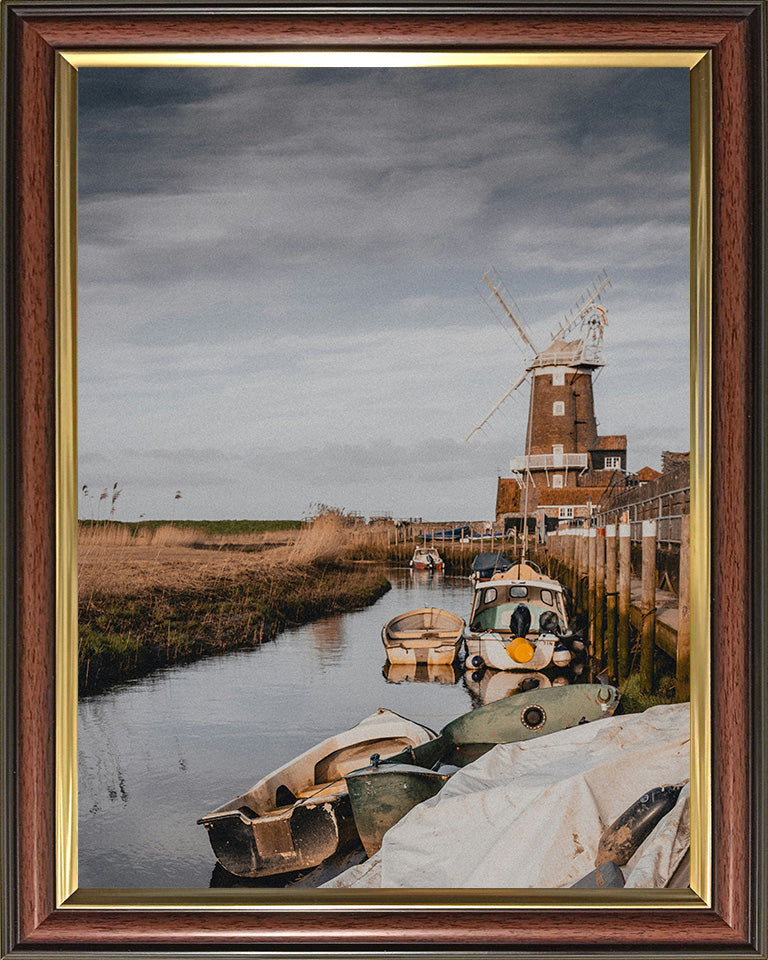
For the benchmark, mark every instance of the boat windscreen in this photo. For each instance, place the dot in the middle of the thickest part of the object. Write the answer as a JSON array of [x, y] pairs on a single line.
[[500, 618]]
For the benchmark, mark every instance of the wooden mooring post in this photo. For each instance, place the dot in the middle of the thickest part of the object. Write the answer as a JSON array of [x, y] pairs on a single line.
[[648, 605], [596, 564], [599, 618], [582, 569], [625, 568], [570, 560], [591, 587], [611, 555]]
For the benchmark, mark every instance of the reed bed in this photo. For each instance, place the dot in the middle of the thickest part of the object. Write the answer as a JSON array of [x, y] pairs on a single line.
[[172, 595]]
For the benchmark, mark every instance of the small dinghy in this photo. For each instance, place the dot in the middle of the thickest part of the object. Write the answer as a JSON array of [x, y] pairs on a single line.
[[382, 793], [427, 635], [300, 814]]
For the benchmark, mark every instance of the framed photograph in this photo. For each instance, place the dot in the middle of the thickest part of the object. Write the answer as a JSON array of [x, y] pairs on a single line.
[[146, 102]]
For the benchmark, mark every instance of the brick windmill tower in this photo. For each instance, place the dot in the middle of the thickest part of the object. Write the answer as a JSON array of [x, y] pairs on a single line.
[[566, 464]]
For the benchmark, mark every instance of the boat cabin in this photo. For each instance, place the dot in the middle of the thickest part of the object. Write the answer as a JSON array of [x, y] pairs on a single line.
[[496, 600]]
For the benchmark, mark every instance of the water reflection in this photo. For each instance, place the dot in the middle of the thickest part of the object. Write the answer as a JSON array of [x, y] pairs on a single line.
[[486, 686], [420, 577], [446, 673], [329, 640]]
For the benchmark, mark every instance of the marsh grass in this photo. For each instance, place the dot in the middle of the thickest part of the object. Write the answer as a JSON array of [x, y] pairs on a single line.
[[165, 595], [635, 700]]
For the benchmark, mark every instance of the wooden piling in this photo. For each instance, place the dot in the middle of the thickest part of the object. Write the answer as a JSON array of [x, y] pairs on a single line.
[[578, 563], [611, 555], [591, 585], [573, 539], [683, 680], [648, 606], [600, 594], [625, 544]]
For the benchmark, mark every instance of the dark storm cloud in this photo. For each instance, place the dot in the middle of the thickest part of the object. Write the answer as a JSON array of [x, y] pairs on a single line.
[[275, 257]]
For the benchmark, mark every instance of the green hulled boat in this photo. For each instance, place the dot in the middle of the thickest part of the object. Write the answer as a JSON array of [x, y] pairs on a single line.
[[382, 793]]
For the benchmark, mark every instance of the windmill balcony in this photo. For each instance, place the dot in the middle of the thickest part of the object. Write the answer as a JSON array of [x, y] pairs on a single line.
[[549, 461]]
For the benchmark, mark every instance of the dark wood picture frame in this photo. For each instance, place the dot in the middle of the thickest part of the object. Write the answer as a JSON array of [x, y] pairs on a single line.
[[735, 924]]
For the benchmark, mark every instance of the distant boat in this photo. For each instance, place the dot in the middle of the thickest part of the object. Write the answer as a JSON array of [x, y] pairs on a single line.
[[426, 558], [455, 533], [518, 621], [427, 635], [382, 793], [299, 815]]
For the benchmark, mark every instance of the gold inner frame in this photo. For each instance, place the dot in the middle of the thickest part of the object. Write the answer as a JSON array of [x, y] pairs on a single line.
[[67, 893]]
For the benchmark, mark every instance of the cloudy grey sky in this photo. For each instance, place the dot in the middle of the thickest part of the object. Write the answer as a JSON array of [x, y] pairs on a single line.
[[277, 300]]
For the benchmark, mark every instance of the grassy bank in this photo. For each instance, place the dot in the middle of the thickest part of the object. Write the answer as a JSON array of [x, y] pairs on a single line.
[[172, 595]]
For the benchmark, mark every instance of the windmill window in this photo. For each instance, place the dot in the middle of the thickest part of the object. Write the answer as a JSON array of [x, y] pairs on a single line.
[[557, 480], [558, 378], [613, 463], [558, 408], [565, 513]]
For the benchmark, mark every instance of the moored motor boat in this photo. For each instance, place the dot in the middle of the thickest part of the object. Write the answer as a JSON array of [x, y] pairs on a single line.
[[299, 815], [427, 635], [383, 792], [518, 621], [485, 565], [426, 558]]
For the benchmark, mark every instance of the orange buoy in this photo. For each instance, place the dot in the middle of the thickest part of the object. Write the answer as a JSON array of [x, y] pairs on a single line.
[[520, 650]]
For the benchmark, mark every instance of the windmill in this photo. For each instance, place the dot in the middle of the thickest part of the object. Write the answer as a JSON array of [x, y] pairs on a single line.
[[562, 448], [578, 357]]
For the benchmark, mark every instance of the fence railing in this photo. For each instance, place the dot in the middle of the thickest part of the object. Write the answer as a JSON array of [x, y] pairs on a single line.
[[549, 461], [667, 509]]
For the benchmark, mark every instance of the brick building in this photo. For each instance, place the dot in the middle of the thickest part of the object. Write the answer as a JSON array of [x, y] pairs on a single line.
[[568, 464]]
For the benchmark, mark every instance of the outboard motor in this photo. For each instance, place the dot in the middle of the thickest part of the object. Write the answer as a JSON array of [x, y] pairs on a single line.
[[520, 621]]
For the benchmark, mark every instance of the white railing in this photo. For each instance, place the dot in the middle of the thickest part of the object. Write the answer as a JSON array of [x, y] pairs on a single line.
[[549, 461]]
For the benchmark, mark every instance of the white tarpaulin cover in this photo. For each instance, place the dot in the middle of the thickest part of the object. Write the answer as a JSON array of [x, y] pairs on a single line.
[[531, 814]]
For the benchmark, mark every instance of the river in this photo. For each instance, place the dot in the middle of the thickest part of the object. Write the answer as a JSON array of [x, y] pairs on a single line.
[[156, 753]]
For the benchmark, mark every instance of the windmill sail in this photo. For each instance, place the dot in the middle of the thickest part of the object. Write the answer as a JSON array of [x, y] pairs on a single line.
[[588, 314], [491, 288]]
